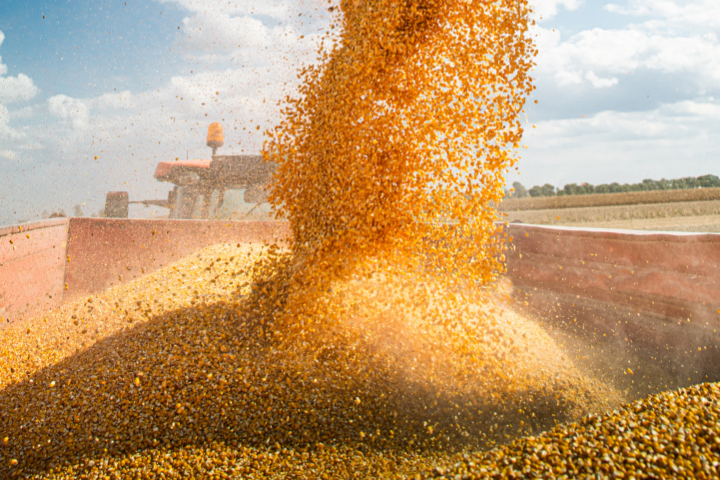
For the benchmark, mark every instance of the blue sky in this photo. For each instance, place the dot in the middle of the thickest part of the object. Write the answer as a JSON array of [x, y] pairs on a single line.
[[90, 47], [627, 90]]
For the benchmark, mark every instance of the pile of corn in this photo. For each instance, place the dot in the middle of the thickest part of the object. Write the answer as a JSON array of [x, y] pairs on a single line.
[[71, 328], [668, 435], [168, 374]]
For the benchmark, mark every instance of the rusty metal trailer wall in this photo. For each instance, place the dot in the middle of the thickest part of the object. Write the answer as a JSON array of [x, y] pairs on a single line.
[[649, 298], [104, 252], [670, 276], [44, 264], [32, 267]]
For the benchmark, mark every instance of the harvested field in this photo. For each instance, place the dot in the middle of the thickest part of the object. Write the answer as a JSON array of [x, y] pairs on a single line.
[[678, 216], [610, 199], [700, 223]]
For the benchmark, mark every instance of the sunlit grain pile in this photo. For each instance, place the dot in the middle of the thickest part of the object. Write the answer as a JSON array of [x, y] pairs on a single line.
[[168, 374], [197, 280], [667, 435]]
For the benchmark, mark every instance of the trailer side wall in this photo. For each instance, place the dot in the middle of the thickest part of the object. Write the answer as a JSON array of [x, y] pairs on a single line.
[[675, 275], [32, 267], [632, 298], [105, 252]]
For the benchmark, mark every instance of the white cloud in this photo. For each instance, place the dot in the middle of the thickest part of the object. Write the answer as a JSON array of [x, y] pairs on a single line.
[[25, 112], [124, 99], [8, 154], [598, 82], [32, 146], [17, 89], [4, 117], [72, 109], [599, 53], [3, 68], [546, 9], [14, 89], [251, 32], [218, 30], [568, 77], [673, 140], [7, 132], [705, 110], [687, 14], [271, 8]]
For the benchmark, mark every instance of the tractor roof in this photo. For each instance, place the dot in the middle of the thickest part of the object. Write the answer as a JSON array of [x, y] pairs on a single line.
[[223, 170], [172, 171]]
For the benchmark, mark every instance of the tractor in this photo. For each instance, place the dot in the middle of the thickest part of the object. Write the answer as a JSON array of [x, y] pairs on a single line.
[[223, 187]]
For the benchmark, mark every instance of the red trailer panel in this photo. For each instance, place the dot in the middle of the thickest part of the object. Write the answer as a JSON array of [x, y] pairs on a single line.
[[32, 267], [105, 251]]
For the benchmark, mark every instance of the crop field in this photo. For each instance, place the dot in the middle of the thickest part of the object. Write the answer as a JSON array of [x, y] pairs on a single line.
[[610, 199], [687, 216]]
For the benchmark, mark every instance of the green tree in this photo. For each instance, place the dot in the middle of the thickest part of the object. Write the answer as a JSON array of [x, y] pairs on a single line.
[[648, 184], [708, 181], [602, 188], [586, 189], [548, 190], [520, 190], [570, 189]]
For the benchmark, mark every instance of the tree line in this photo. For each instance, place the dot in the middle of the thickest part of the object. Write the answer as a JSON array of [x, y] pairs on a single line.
[[547, 190]]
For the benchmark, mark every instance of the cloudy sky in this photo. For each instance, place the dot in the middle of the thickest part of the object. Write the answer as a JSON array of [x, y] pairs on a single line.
[[627, 90]]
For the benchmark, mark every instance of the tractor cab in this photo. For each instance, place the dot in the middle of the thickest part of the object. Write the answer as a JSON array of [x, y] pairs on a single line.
[[225, 187]]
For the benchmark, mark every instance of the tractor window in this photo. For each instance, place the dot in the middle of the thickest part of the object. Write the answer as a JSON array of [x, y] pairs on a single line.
[[235, 207], [232, 207], [214, 201], [186, 202], [198, 206], [201, 211]]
